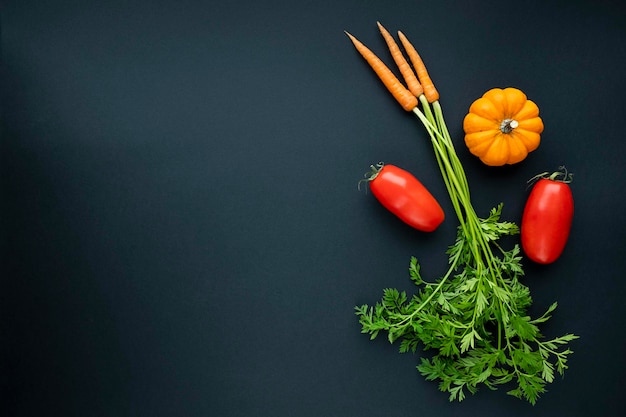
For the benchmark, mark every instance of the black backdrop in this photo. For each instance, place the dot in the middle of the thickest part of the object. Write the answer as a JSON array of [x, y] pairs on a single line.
[[181, 229]]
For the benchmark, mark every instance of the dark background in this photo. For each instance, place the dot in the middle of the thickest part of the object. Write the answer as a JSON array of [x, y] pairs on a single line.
[[181, 229]]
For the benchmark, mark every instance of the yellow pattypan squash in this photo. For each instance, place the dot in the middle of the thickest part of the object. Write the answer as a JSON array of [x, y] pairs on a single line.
[[502, 127]]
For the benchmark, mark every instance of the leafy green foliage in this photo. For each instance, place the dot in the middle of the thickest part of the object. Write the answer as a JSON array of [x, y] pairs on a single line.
[[474, 320]]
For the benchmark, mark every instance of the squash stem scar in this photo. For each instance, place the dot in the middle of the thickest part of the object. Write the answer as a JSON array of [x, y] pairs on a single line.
[[508, 125]]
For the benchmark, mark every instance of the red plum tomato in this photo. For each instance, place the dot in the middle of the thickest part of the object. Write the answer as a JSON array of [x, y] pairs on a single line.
[[406, 197], [546, 220]]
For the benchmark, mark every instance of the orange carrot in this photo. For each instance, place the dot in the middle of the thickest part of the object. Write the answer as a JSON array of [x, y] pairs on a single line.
[[403, 96], [430, 91], [405, 69]]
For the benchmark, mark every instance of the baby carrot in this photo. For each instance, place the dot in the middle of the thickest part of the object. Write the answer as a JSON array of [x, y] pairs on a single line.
[[430, 91], [403, 96], [405, 69]]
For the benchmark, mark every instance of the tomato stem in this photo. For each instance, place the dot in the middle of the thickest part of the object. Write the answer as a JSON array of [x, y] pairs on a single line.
[[370, 176], [562, 175]]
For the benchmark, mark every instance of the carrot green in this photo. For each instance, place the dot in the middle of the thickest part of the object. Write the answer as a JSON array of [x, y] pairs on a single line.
[[474, 317]]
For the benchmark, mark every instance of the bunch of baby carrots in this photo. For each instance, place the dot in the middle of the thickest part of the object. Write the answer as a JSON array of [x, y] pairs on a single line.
[[474, 316], [407, 97]]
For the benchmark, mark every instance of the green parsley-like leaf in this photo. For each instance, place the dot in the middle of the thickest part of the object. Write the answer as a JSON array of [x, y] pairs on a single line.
[[475, 319]]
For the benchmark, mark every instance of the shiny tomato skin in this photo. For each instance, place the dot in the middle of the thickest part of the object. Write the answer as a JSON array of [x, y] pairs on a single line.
[[406, 197], [547, 220]]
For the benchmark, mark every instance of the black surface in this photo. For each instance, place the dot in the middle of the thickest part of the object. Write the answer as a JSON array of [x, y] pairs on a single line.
[[182, 232]]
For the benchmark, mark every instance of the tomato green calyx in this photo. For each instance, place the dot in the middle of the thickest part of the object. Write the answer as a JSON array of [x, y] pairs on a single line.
[[508, 125], [372, 174], [562, 175]]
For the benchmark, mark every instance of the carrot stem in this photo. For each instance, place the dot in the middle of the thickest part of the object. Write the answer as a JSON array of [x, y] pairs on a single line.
[[402, 95]]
